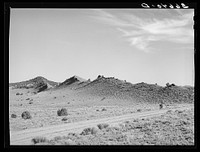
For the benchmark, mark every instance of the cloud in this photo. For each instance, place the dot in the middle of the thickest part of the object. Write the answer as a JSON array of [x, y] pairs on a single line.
[[140, 32]]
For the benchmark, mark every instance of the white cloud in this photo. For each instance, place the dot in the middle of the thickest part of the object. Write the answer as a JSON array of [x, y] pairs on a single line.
[[142, 31]]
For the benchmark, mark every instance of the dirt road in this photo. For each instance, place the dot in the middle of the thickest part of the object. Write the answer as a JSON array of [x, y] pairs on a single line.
[[24, 137]]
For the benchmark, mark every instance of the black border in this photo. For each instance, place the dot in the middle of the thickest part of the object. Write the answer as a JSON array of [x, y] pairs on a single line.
[[68, 5]]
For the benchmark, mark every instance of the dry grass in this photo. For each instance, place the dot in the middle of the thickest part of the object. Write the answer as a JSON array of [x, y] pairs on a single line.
[[172, 128], [39, 140], [88, 131], [102, 126]]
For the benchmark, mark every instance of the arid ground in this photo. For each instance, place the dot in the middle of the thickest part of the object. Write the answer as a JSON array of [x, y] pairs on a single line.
[[96, 104]]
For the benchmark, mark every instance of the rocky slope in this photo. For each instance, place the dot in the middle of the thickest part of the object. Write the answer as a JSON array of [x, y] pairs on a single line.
[[73, 82], [110, 87], [142, 92], [38, 84]]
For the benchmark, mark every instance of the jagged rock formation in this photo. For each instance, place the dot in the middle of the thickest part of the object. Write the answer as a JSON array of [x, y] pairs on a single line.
[[38, 84], [110, 87], [73, 82]]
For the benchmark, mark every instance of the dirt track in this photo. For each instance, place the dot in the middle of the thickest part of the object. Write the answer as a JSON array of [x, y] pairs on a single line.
[[24, 137]]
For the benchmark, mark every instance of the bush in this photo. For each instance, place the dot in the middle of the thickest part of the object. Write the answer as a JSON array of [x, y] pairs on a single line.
[[13, 116], [103, 98], [102, 126], [39, 140], [94, 130], [26, 115], [62, 112], [69, 142], [57, 138], [88, 131], [104, 109], [161, 106], [64, 119]]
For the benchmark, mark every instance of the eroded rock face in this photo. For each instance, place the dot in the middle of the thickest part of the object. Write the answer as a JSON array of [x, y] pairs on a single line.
[[42, 87], [38, 84]]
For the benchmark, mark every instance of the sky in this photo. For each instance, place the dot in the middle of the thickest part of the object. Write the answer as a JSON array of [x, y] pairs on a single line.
[[136, 45]]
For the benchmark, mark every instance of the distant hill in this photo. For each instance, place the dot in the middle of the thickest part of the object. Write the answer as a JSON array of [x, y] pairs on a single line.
[[110, 87], [39, 84], [142, 92], [73, 82]]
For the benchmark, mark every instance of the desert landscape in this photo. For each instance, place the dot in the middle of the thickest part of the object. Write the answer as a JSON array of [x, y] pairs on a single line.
[[95, 76], [105, 111]]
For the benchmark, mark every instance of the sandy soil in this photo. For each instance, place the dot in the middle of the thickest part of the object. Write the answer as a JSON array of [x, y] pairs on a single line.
[[43, 108], [175, 127], [24, 137]]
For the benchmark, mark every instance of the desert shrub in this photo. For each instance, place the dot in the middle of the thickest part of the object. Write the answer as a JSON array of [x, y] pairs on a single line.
[[13, 116], [102, 126], [68, 142], [61, 141], [94, 130], [104, 109], [64, 119], [169, 111], [18, 93], [62, 112], [103, 98], [30, 102], [57, 138], [39, 140], [26, 115], [139, 110], [28, 99], [160, 106], [88, 131]]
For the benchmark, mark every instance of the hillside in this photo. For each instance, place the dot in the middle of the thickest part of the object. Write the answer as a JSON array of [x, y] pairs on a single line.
[[113, 88], [39, 84], [142, 92], [88, 100], [73, 83]]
